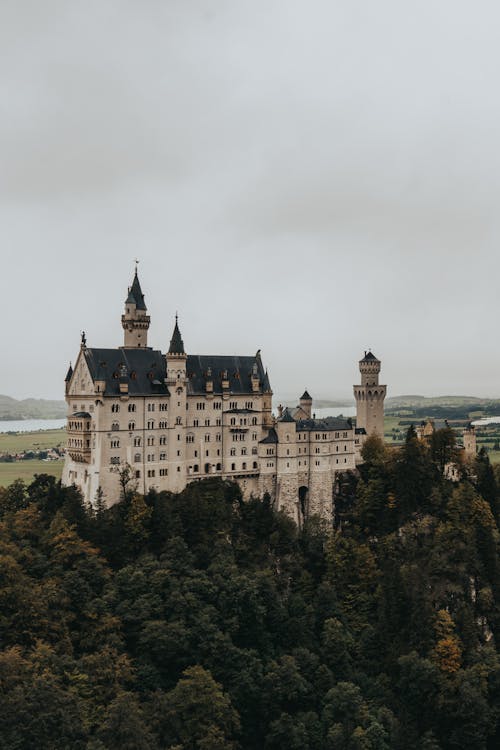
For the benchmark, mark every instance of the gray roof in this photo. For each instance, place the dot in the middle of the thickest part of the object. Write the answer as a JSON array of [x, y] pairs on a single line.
[[135, 295], [266, 385], [305, 397], [328, 424], [69, 374], [146, 371], [139, 367], [286, 416], [369, 357], [237, 369], [272, 437]]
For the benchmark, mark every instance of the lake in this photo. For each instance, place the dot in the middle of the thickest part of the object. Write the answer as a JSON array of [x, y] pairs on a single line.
[[31, 425], [486, 420]]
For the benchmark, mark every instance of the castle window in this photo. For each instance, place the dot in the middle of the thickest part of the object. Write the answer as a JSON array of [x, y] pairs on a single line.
[[151, 441], [163, 425], [200, 406], [163, 456], [337, 434], [233, 467], [163, 440], [317, 450], [345, 447], [151, 424], [218, 451], [254, 436], [233, 404], [178, 420], [248, 404], [114, 460], [337, 448], [243, 465], [196, 454], [131, 407], [115, 444], [218, 467], [287, 465], [287, 451], [243, 451], [189, 438], [163, 407], [196, 422], [317, 463], [151, 407], [233, 421], [217, 405], [254, 465], [207, 438], [115, 407], [137, 458], [115, 426], [163, 472], [218, 422], [254, 420], [207, 423], [233, 451], [137, 474], [344, 434], [196, 467], [218, 437], [254, 451]]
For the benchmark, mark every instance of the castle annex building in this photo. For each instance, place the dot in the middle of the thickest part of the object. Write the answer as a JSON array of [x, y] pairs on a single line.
[[176, 418]]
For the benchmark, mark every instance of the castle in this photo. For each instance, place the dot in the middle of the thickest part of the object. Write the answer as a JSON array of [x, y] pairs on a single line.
[[175, 418]]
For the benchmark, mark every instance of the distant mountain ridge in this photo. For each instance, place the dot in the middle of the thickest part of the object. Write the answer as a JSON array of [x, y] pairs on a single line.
[[31, 408]]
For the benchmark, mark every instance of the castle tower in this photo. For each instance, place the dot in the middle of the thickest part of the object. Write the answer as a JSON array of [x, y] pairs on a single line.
[[176, 359], [135, 320], [370, 397], [469, 437], [305, 404]]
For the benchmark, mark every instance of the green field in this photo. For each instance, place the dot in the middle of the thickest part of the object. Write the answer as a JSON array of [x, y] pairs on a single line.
[[27, 469], [32, 441]]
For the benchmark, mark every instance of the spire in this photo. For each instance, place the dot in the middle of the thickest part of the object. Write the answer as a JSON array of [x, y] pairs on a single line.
[[135, 295], [266, 385], [68, 374], [305, 397], [176, 343]]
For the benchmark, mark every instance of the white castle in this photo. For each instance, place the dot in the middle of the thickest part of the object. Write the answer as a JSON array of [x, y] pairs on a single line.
[[175, 418]]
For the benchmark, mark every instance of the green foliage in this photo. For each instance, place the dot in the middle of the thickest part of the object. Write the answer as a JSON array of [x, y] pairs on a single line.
[[201, 622]]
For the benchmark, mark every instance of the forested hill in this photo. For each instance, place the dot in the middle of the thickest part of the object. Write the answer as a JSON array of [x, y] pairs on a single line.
[[31, 408], [198, 622]]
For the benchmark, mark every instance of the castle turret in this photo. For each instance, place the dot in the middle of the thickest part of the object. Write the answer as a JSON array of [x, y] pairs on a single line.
[[469, 437], [135, 320], [176, 360], [370, 397], [305, 404]]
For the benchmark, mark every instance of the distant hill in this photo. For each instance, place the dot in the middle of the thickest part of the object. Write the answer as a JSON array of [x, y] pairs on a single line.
[[452, 407], [31, 408]]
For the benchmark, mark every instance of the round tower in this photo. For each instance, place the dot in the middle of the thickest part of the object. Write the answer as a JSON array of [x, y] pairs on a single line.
[[135, 320], [370, 397]]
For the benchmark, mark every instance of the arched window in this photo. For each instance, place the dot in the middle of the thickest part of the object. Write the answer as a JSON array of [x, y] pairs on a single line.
[[243, 465], [196, 467], [131, 407], [207, 468], [115, 426], [131, 425], [255, 464], [137, 458], [219, 467]]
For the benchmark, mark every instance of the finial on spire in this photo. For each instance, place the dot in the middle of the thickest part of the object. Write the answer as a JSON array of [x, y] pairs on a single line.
[[84, 340], [136, 261]]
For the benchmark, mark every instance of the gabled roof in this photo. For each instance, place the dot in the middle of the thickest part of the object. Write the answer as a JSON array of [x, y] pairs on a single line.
[[369, 357], [327, 424], [286, 416], [176, 342], [272, 437], [143, 369], [135, 295], [236, 370], [305, 397]]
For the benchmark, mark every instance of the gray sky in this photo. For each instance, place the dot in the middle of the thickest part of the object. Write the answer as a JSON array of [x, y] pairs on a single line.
[[307, 177]]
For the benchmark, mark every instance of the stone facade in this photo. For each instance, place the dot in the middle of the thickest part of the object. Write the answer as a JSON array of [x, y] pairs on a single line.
[[175, 418]]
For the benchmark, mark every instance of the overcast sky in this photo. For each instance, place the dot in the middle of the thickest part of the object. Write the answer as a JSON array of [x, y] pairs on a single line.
[[308, 177]]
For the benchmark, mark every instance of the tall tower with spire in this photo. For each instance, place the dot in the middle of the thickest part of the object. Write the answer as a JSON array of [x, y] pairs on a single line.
[[135, 320], [370, 397], [176, 361]]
